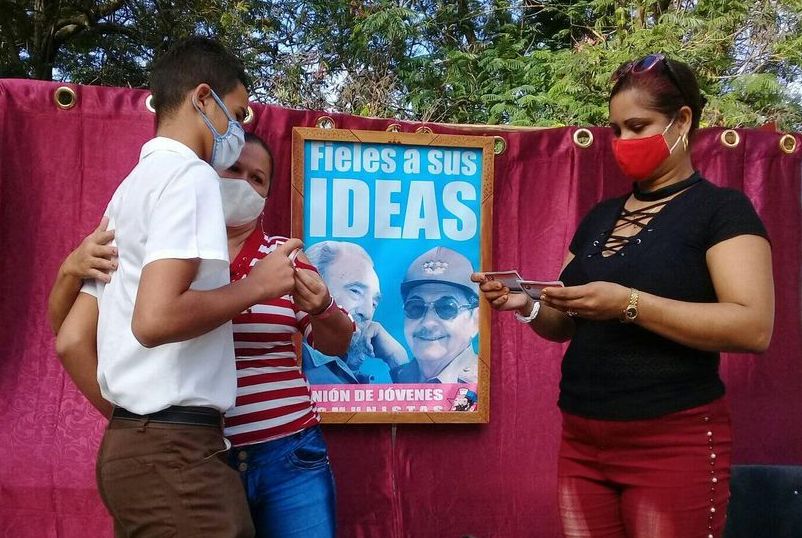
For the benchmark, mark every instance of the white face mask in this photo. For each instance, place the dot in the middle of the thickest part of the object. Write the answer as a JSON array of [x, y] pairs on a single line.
[[241, 203], [226, 146]]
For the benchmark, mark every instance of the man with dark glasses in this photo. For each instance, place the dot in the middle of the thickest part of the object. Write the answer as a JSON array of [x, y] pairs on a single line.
[[441, 319]]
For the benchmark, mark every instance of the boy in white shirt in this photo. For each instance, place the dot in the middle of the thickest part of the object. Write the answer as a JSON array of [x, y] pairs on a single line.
[[164, 340]]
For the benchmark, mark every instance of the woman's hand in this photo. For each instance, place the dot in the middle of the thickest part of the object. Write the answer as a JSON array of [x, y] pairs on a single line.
[[551, 324], [333, 329], [311, 293], [94, 257], [596, 300], [499, 296]]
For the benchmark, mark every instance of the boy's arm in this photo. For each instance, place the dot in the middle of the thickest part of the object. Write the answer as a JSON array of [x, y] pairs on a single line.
[[93, 258], [167, 310], [76, 346]]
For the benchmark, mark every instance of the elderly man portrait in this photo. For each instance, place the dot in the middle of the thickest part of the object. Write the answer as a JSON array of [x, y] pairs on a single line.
[[351, 277]]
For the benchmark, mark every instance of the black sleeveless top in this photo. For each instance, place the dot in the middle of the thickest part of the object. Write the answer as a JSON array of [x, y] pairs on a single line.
[[617, 371]]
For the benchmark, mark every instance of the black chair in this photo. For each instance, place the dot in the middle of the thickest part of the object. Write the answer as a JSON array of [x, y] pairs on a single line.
[[765, 502]]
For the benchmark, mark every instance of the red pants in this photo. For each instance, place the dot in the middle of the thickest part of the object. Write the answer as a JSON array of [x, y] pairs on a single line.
[[659, 478]]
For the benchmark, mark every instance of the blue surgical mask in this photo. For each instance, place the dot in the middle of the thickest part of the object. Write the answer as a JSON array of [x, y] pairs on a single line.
[[227, 146]]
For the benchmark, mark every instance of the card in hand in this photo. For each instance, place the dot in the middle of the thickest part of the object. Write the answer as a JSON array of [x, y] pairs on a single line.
[[294, 254], [509, 279], [534, 288]]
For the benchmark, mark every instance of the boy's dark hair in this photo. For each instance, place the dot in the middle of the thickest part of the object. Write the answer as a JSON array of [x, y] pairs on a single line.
[[190, 62]]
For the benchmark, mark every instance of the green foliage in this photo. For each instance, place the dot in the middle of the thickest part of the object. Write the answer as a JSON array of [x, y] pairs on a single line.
[[519, 62], [746, 54]]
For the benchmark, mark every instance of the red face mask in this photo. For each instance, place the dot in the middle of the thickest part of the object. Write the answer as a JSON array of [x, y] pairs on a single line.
[[640, 157]]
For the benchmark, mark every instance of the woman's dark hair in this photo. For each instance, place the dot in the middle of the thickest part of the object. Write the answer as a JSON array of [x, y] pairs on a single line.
[[256, 139], [670, 85], [190, 62]]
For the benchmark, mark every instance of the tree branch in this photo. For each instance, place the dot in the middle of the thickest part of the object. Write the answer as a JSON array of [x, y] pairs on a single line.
[[107, 9], [68, 27]]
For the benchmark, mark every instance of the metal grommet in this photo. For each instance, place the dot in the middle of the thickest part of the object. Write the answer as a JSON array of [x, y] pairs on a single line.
[[249, 115], [788, 143], [325, 122], [149, 103], [499, 145], [583, 138], [423, 129], [393, 128], [65, 97], [730, 138]]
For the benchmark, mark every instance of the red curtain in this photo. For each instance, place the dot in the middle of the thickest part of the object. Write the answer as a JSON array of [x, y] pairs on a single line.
[[58, 168]]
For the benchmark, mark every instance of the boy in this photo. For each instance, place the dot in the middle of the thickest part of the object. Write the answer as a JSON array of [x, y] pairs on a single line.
[[164, 341]]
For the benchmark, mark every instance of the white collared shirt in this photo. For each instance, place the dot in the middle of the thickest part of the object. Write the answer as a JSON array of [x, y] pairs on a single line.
[[168, 207]]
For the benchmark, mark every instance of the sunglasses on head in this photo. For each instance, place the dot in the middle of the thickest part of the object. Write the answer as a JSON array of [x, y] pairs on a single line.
[[445, 308], [646, 65]]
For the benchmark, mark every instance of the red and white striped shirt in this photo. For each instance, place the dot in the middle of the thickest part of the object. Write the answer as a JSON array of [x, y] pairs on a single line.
[[273, 396]]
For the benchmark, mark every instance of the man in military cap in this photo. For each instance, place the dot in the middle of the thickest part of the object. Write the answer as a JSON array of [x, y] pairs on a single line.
[[441, 319]]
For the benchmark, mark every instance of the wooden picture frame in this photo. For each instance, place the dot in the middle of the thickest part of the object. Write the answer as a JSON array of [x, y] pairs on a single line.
[[465, 149]]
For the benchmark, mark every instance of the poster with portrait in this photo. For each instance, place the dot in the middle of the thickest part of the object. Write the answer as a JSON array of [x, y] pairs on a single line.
[[396, 223]]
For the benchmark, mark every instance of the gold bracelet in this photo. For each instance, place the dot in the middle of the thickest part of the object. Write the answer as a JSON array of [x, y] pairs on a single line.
[[630, 313]]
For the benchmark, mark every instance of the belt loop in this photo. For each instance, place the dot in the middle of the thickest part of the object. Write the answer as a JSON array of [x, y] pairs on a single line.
[[144, 426]]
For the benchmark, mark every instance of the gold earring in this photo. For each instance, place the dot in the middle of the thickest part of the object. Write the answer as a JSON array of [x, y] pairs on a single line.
[[685, 141]]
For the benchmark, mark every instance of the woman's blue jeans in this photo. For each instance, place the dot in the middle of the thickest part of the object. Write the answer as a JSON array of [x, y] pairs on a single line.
[[289, 485]]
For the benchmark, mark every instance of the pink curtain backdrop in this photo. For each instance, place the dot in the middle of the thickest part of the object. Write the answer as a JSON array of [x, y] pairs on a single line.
[[58, 169]]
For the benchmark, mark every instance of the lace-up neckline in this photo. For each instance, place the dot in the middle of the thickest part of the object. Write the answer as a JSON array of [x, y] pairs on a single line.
[[639, 218], [642, 217]]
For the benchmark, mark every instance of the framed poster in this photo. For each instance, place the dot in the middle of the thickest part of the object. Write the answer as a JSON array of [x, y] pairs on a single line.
[[396, 223]]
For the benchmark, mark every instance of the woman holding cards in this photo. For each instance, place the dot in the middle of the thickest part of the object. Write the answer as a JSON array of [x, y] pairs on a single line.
[[657, 283]]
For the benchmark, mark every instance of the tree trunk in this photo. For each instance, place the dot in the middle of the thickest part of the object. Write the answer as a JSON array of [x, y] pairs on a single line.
[[466, 22], [43, 52]]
